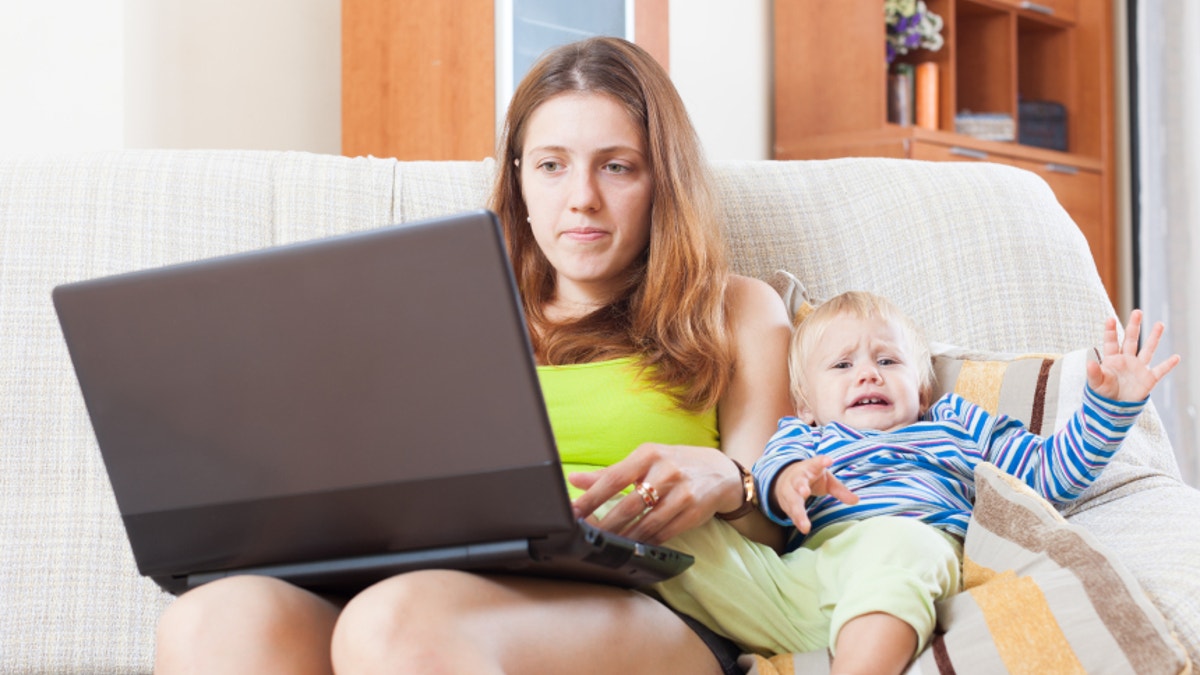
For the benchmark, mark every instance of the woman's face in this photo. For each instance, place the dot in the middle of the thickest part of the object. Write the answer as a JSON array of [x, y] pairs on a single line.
[[586, 181]]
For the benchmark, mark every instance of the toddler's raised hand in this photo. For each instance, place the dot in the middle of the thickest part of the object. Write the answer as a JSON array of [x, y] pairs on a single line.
[[1125, 373]]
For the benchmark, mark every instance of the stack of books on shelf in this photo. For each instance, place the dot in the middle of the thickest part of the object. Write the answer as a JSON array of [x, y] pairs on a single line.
[[1043, 124], [986, 126]]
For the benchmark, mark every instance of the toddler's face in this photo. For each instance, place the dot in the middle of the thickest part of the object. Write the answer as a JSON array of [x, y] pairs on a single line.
[[860, 374]]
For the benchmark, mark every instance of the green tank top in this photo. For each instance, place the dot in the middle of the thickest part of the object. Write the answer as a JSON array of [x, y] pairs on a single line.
[[602, 411]]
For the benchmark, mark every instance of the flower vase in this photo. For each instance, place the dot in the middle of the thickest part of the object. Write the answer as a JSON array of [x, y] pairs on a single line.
[[900, 94]]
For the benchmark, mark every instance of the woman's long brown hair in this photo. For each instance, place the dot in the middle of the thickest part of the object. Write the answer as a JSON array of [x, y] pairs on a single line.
[[671, 315]]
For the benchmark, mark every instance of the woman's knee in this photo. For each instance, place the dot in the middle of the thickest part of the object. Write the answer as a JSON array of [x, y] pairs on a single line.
[[248, 616], [410, 618], [457, 622]]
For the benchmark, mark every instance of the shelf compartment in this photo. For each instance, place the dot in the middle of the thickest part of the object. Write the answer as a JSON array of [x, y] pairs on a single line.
[[985, 43], [1043, 72], [1062, 12]]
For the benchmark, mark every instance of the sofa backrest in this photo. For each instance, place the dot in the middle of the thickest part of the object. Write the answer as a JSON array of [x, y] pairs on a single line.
[[981, 253]]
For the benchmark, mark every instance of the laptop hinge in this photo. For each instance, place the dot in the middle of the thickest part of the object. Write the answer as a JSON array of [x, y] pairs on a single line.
[[360, 571]]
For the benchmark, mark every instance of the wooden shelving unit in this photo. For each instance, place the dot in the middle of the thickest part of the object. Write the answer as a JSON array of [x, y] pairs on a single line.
[[831, 92]]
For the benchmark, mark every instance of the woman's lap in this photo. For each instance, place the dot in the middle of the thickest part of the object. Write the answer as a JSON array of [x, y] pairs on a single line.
[[511, 624], [534, 625]]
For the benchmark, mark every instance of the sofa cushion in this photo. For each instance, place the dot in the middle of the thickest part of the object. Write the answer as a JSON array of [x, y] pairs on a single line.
[[1041, 390], [1044, 595]]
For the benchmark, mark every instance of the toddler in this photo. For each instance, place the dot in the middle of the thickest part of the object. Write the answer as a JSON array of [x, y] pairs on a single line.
[[867, 446]]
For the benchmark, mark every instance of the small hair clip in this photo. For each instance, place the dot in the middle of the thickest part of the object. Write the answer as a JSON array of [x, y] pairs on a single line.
[[1097, 352]]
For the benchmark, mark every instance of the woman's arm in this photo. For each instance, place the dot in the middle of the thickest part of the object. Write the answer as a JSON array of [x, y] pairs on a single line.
[[693, 483], [758, 397]]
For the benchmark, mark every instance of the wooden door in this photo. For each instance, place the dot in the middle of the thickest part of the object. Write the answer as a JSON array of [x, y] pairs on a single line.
[[418, 76], [418, 79]]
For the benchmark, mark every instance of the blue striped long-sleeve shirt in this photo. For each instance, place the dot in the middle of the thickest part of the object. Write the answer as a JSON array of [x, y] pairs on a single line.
[[926, 470]]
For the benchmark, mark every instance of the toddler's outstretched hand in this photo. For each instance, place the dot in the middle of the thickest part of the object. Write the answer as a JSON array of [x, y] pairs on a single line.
[[1125, 373], [801, 480]]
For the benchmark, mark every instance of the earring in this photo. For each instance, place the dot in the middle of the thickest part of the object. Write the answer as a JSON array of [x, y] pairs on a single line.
[[529, 220]]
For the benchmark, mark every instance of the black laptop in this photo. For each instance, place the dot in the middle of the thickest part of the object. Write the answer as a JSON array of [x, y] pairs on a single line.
[[332, 413]]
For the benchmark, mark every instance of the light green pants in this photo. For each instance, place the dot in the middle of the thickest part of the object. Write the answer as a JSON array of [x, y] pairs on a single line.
[[797, 602]]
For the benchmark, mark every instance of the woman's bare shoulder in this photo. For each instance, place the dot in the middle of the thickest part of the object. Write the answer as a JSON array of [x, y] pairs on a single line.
[[750, 299]]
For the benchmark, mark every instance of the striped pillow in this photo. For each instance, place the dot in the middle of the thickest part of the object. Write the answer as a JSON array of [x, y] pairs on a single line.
[[1041, 390], [1043, 596]]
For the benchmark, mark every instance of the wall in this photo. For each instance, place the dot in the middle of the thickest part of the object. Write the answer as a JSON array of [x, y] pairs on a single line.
[[265, 74], [110, 74], [248, 74], [722, 64], [1168, 81], [60, 75]]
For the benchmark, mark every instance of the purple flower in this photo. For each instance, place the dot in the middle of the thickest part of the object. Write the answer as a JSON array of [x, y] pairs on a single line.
[[904, 33]]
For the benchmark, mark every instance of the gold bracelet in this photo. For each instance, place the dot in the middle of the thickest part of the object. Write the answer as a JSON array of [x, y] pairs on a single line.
[[749, 495]]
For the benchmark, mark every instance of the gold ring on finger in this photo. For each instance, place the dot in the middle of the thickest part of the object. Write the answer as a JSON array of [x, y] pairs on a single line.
[[648, 494]]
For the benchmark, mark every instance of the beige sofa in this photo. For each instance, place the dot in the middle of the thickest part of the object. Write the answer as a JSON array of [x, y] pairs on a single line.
[[982, 254]]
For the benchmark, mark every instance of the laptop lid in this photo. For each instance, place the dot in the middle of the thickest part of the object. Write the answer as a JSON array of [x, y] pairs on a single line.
[[353, 397]]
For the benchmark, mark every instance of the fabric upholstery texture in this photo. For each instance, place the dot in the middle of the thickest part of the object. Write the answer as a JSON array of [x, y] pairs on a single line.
[[1050, 598], [981, 254], [1041, 390]]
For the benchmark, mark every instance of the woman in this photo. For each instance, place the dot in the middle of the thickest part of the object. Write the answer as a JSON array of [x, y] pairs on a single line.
[[646, 347]]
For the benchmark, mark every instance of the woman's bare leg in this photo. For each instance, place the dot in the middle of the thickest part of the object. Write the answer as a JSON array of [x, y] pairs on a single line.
[[246, 625], [441, 621]]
